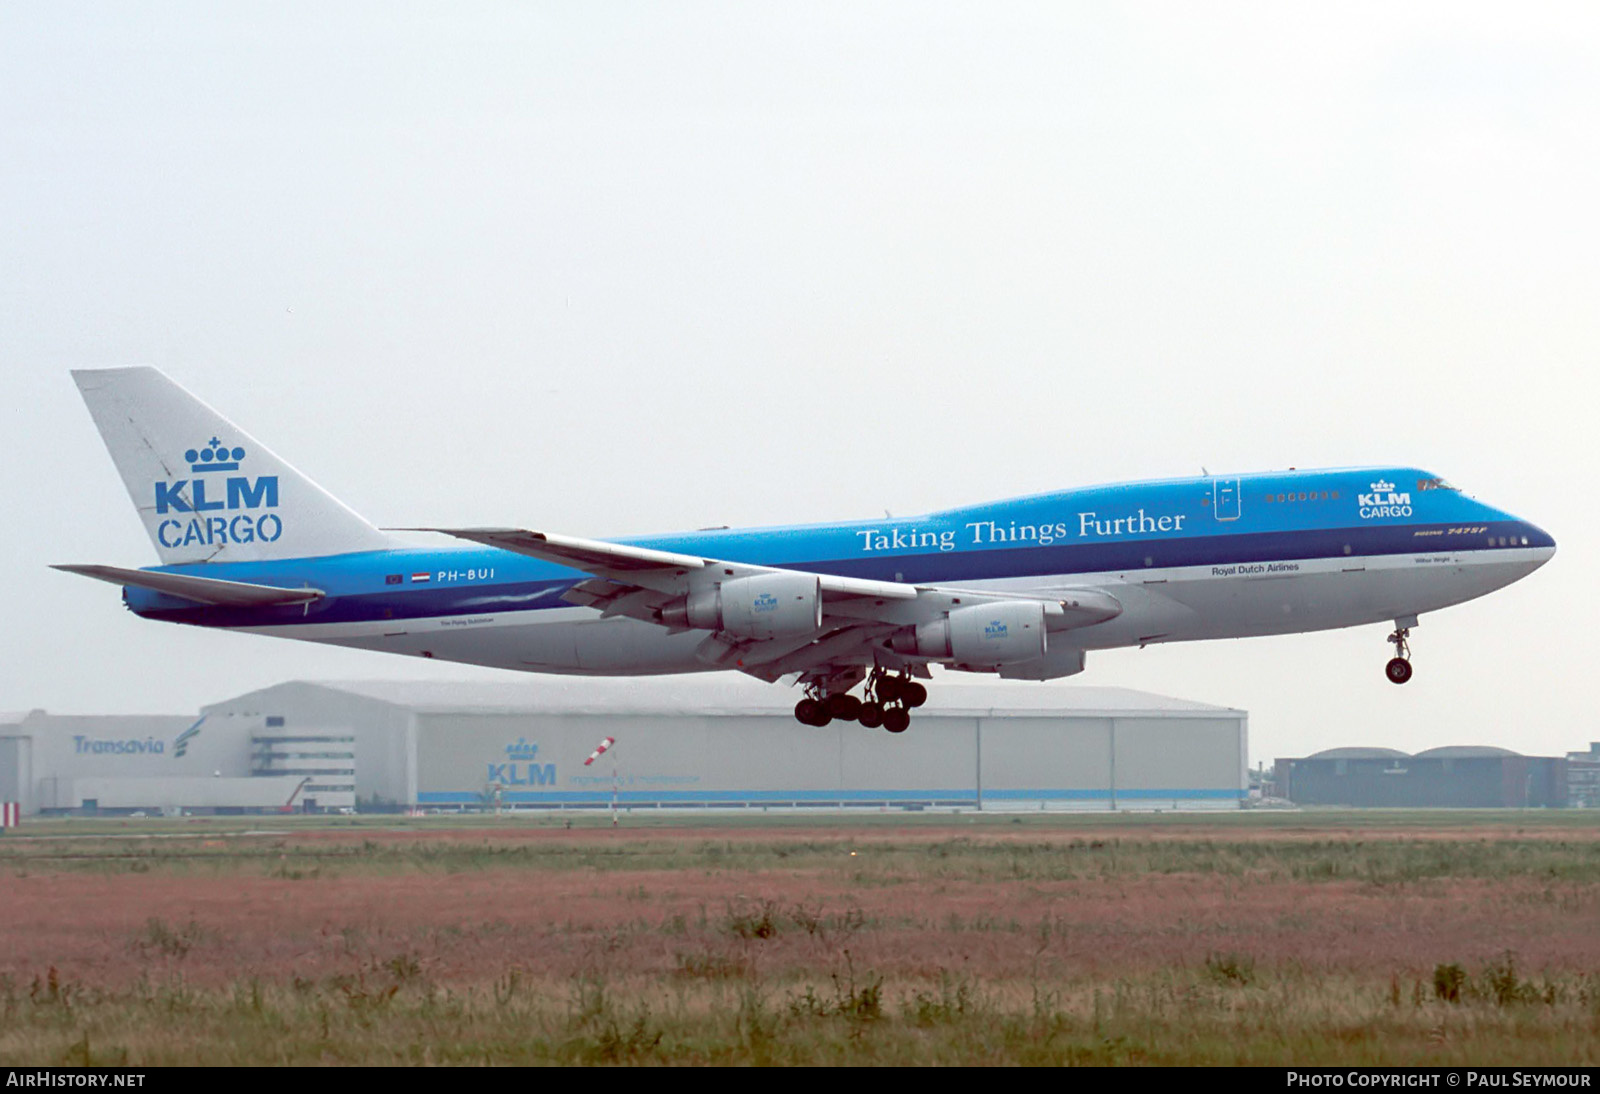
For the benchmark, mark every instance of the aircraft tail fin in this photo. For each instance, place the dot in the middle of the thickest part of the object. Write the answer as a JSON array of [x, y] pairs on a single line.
[[206, 490]]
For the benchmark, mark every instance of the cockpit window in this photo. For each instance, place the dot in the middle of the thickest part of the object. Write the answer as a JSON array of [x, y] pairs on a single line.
[[1436, 484]]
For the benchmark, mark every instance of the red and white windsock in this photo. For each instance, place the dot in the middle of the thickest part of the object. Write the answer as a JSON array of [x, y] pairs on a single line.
[[600, 751], [10, 814]]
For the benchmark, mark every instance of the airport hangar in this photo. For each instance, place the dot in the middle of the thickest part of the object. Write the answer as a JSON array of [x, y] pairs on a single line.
[[1453, 776], [695, 742]]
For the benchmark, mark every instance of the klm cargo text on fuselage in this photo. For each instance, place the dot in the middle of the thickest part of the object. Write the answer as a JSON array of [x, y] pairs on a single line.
[[231, 515]]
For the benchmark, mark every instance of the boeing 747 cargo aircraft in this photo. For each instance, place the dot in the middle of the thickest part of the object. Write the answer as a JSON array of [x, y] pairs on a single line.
[[1022, 588]]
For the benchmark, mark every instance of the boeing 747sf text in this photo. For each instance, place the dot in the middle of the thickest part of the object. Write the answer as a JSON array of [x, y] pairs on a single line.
[[855, 613]]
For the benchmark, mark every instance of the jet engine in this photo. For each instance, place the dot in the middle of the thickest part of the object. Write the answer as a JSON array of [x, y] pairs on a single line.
[[782, 605], [982, 635]]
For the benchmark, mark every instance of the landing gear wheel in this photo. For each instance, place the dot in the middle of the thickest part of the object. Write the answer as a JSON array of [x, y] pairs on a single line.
[[887, 689], [843, 706], [1398, 670], [870, 715], [896, 719], [812, 713], [913, 694]]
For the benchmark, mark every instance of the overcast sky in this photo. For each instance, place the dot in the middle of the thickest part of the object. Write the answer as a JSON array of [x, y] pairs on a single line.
[[614, 268]]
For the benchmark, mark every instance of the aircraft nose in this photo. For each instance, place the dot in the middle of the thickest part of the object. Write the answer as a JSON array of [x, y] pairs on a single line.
[[1539, 538]]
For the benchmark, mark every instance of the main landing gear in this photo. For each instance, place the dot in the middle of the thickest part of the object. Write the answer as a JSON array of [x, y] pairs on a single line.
[[818, 709], [890, 699], [1398, 670]]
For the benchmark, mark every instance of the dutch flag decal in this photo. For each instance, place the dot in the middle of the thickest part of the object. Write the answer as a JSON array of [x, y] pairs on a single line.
[[419, 578]]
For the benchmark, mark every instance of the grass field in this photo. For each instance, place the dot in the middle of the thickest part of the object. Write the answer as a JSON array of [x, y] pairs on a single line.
[[1424, 938]]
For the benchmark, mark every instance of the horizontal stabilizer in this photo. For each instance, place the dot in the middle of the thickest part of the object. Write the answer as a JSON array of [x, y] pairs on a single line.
[[205, 590]]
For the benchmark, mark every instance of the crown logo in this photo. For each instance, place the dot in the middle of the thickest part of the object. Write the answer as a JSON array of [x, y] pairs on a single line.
[[215, 456], [1382, 487], [522, 750]]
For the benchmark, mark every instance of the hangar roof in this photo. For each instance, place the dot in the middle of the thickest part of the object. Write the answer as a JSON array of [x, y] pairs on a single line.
[[728, 694], [1445, 752]]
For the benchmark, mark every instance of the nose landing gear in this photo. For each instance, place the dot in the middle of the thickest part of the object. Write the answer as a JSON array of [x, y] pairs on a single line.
[[1398, 670]]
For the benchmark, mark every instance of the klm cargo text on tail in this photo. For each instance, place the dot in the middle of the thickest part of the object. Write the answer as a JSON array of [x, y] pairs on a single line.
[[235, 499]]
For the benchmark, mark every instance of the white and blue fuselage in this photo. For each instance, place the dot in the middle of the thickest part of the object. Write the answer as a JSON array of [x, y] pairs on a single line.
[[1186, 559]]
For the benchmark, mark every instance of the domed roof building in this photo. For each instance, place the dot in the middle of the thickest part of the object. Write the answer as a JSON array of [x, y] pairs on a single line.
[[1451, 776], [1359, 753]]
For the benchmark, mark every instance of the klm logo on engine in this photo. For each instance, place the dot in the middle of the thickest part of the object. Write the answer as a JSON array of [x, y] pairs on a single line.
[[520, 770], [766, 602], [994, 631], [222, 510], [1383, 502]]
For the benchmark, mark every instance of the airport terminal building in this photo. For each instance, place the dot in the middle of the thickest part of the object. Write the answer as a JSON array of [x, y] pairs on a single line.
[[699, 742]]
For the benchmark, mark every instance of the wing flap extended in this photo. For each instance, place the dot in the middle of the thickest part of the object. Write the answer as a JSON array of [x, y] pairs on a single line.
[[203, 590]]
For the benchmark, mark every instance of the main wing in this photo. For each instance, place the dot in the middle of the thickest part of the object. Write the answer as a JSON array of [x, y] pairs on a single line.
[[772, 621]]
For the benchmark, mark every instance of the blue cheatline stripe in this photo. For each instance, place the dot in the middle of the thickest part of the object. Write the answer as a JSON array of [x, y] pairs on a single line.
[[1045, 794], [635, 797], [522, 585], [448, 797]]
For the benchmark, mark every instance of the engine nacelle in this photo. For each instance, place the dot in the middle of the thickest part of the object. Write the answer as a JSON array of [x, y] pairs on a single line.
[[983, 636], [783, 605]]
